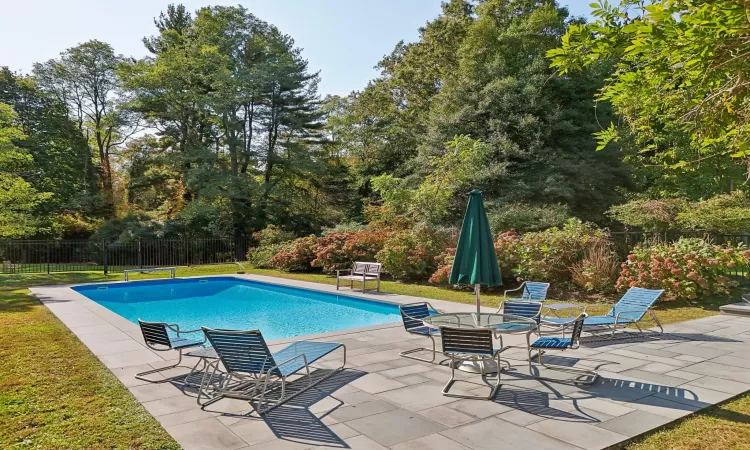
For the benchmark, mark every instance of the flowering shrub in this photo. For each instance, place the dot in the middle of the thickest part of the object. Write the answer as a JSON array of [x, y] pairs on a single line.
[[295, 256], [685, 269], [444, 262], [410, 254], [336, 251]]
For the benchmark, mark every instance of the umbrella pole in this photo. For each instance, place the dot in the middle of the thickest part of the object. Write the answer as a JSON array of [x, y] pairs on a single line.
[[476, 293]]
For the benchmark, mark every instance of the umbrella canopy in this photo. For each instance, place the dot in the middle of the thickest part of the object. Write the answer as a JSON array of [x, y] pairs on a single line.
[[475, 262]]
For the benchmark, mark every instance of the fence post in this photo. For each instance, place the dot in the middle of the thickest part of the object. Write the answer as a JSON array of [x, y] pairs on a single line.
[[47, 257], [140, 257], [105, 248]]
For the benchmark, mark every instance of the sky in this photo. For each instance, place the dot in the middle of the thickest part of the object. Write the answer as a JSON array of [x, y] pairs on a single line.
[[343, 39]]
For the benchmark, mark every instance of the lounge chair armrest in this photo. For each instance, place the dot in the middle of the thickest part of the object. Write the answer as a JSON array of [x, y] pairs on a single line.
[[641, 311], [505, 293], [432, 308], [283, 363]]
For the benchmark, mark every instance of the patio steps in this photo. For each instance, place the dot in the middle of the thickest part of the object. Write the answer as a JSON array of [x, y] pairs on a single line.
[[736, 309]]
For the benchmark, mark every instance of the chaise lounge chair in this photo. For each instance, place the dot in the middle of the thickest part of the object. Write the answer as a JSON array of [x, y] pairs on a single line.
[[157, 338], [248, 362], [631, 309], [531, 291], [545, 343]]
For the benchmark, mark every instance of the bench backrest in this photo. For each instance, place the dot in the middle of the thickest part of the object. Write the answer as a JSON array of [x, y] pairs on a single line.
[[366, 268], [242, 351], [534, 291], [634, 304]]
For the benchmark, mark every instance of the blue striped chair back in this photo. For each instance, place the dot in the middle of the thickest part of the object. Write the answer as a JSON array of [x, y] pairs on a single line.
[[242, 351], [155, 333], [636, 301], [577, 329], [530, 310], [413, 313], [534, 291], [476, 341]]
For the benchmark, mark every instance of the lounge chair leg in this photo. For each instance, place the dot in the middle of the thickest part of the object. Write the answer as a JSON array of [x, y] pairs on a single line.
[[378, 283], [653, 316], [406, 353], [140, 376], [447, 387]]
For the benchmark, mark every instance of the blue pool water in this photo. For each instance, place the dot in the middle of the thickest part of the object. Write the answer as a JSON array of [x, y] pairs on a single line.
[[236, 304]]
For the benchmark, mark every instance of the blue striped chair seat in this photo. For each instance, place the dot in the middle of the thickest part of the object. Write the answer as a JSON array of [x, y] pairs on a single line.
[[552, 342], [426, 331], [182, 342]]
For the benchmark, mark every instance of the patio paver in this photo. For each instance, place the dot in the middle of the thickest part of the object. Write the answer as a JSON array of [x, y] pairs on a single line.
[[382, 401]]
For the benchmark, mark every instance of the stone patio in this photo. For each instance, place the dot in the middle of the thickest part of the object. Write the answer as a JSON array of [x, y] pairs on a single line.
[[384, 401]]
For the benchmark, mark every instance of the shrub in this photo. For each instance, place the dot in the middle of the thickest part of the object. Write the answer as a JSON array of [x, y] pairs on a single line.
[[272, 235], [444, 262], [726, 213], [294, 256], [547, 255], [336, 251], [344, 228], [410, 254], [650, 215], [260, 257], [597, 270], [521, 217], [685, 269]]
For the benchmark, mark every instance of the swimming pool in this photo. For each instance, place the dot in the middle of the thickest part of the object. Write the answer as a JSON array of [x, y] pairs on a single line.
[[236, 304]]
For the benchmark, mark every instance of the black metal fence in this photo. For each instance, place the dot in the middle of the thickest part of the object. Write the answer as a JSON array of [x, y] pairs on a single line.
[[28, 256]]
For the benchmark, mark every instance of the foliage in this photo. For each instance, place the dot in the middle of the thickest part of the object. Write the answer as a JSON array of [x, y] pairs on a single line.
[[688, 268], [726, 213], [677, 79], [649, 215], [295, 256], [343, 228], [411, 254], [85, 79], [548, 255], [444, 263], [261, 257], [129, 228], [521, 217], [337, 251], [272, 234], [18, 198], [597, 271]]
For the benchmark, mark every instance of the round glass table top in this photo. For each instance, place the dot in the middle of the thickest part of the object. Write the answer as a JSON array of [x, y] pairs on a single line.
[[501, 323]]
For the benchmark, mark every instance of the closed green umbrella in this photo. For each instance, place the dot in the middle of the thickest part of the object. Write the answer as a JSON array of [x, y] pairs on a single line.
[[475, 262]]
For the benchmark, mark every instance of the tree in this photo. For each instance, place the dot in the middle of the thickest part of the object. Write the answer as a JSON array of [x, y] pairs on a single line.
[[18, 198], [678, 79], [85, 78]]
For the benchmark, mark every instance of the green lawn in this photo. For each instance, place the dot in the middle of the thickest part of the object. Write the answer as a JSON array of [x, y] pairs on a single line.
[[54, 394]]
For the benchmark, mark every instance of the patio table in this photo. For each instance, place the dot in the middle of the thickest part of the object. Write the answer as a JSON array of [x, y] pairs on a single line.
[[500, 324]]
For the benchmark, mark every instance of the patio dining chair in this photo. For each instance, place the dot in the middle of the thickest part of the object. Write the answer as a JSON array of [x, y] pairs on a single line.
[[546, 343], [469, 344], [629, 310], [253, 372], [531, 291], [157, 337], [413, 315]]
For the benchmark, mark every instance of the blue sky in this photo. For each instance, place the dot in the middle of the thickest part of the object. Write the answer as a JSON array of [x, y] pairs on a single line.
[[343, 39]]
